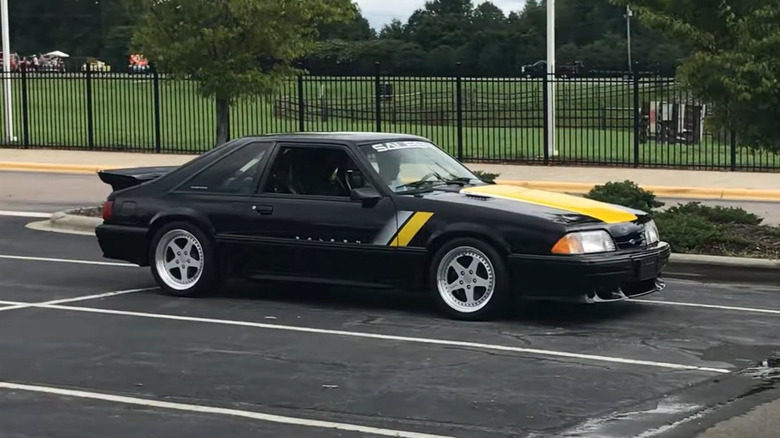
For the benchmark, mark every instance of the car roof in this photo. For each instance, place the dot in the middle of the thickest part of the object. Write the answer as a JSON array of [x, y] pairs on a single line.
[[346, 136]]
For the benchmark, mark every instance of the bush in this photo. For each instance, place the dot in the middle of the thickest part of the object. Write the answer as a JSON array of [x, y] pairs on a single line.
[[697, 228], [718, 214], [486, 176], [627, 194], [687, 232]]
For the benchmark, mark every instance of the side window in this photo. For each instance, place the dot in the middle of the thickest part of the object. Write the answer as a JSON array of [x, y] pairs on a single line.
[[233, 174], [312, 171]]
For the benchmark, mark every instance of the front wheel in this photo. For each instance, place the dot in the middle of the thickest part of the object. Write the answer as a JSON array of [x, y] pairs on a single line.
[[470, 280], [183, 260]]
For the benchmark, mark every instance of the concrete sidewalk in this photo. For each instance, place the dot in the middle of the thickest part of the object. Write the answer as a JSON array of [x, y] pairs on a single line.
[[678, 184]]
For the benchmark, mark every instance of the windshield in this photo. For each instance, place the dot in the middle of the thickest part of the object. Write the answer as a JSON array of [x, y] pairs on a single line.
[[413, 165]]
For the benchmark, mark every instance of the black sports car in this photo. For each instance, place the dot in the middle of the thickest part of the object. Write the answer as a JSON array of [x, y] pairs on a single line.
[[373, 210]]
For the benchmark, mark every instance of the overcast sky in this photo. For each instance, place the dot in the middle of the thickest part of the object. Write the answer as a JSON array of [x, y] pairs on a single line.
[[381, 12]]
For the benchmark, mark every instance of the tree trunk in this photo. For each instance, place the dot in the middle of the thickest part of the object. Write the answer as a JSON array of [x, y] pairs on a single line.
[[223, 120]]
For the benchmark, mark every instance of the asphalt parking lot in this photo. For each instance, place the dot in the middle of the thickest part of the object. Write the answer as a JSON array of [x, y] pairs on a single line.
[[93, 345]]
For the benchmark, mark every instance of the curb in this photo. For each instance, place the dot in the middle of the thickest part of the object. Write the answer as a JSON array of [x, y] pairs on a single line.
[[702, 268], [51, 167], [64, 222], [719, 269], [580, 188]]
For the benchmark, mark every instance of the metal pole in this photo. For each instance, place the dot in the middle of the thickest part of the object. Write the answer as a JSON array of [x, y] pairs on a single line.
[[629, 14], [9, 124], [551, 149]]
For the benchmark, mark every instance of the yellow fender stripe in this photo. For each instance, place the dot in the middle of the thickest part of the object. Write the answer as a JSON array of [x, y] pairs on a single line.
[[410, 229], [604, 212]]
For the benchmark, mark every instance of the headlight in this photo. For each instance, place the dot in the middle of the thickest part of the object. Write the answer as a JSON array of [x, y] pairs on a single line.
[[651, 233], [585, 242]]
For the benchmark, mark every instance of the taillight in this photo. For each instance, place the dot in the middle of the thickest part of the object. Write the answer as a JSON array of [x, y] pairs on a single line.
[[108, 210]]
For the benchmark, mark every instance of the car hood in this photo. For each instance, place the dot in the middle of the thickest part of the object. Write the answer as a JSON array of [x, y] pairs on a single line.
[[559, 207]]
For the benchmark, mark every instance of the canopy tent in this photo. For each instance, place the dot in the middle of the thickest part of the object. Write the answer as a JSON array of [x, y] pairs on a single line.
[[57, 54]]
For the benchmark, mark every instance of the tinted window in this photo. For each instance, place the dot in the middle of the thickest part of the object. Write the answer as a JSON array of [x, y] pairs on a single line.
[[311, 171], [234, 174]]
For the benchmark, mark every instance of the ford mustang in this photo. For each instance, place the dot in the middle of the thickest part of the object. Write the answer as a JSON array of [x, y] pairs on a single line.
[[373, 210]]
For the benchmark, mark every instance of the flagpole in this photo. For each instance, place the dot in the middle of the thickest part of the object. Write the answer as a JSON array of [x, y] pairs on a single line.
[[7, 96], [551, 147]]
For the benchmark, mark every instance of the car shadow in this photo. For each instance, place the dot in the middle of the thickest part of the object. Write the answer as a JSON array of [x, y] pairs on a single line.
[[422, 305]]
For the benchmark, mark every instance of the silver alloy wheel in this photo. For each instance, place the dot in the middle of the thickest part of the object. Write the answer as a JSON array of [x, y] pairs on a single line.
[[465, 279], [179, 259]]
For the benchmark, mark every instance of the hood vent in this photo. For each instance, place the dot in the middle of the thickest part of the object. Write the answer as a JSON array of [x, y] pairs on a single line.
[[478, 197]]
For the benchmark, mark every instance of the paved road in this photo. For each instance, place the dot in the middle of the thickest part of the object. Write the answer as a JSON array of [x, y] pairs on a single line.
[[49, 192], [281, 360]]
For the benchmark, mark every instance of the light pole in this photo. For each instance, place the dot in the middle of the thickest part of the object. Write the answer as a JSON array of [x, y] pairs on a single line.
[[551, 149], [9, 119], [629, 14]]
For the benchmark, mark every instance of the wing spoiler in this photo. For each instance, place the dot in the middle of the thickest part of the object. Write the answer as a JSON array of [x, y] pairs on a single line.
[[120, 179]]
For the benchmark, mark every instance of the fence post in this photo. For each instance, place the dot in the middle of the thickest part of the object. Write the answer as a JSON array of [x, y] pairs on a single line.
[[733, 150], [378, 99], [90, 119], [459, 110], [25, 109], [301, 108], [545, 99], [157, 127], [636, 119]]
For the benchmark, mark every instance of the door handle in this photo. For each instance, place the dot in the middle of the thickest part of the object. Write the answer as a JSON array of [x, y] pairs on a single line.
[[263, 209]]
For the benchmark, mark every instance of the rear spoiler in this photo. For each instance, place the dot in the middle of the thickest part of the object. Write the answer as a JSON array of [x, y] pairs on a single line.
[[120, 179]]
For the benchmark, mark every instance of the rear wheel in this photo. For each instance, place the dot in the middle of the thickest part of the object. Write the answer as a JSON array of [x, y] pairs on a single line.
[[183, 260], [470, 280]]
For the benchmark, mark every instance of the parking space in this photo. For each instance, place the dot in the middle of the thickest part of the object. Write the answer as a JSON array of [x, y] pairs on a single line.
[[69, 417], [40, 266], [100, 349]]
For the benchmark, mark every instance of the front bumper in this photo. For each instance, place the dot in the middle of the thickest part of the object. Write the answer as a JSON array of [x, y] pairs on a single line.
[[591, 278], [125, 243]]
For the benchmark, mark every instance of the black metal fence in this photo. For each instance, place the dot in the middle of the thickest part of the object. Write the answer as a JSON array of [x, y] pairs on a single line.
[[620, 121]]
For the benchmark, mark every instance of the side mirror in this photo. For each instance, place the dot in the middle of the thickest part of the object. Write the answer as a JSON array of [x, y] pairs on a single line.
[[367, 195], [355, 179]]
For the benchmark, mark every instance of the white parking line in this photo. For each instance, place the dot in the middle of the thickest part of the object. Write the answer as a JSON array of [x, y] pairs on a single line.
[[475, 345], [29, 214], [54, 260], [710, 306], [12, 305], [217, 411], [17, 305]]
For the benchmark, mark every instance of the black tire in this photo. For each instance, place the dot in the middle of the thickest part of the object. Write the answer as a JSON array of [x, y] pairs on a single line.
[[496, 303], [209, 278]]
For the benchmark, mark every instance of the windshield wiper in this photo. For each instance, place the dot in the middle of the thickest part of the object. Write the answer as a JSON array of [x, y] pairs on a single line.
[[461, 180], [415, 185]]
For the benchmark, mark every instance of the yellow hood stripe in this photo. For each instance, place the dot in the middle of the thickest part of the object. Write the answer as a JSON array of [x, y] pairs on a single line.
[[599, 210]]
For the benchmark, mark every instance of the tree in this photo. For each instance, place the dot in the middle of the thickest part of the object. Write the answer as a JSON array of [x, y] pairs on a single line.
[[441, 23], [356, 29], [234, 48], [734, 65]]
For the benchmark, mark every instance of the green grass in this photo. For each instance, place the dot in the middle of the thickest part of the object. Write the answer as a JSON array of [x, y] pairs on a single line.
[[502, 119]]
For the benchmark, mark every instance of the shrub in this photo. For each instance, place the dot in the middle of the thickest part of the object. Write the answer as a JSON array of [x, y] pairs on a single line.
[[486, 176], [626, 193], [718, 214], [686, 232]]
